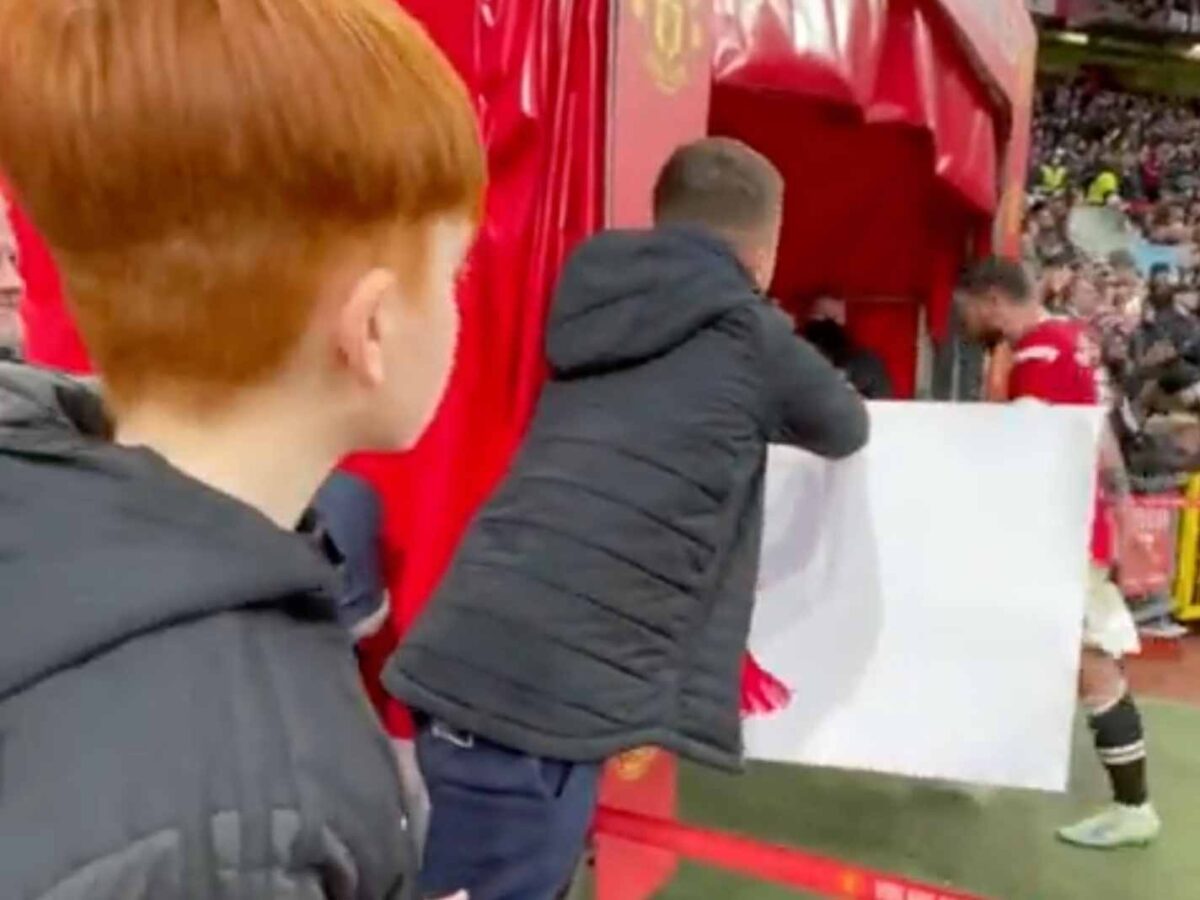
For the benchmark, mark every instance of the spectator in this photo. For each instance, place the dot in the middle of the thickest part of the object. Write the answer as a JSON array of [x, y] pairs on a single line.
[[12, 288], [1049, 234], [1086, 302], [1106, 184], [1123, 267], [1058, 276], [1054, 173], [1151, 173], [1173, 15], [263, 275], [865, 370]]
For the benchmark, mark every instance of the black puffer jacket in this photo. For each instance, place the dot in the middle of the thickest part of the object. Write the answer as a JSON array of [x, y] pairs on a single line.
[[601, 600], [180, 714]]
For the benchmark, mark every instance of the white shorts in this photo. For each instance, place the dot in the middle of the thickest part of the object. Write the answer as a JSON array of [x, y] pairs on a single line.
[[1108, 624]]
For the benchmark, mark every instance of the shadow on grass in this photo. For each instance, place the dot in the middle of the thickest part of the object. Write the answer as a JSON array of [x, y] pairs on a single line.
[[999, 844]]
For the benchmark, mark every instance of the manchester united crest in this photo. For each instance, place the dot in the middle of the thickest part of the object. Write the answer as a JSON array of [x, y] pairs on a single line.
[[676, 31]]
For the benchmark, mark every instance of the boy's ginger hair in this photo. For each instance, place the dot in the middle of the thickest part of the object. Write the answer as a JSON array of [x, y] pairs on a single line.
[[198, 167]]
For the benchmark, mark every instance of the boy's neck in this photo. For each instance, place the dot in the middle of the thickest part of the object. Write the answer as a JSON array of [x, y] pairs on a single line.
[[274, 462]]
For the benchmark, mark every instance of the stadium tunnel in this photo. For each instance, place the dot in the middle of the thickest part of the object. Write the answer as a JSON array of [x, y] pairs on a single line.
[[901, 129]]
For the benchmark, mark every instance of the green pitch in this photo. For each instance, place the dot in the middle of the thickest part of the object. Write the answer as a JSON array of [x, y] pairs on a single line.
[[1001, 846]]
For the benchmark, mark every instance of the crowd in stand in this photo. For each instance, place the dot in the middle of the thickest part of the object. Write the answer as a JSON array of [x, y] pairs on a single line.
[[1138, 157], [1102, 143], [1126, 167], [1181, 16]]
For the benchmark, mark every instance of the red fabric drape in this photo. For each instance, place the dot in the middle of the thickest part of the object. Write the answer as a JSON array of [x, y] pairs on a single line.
[[899, 62], [51, 337], [537, 70], [889, 134]]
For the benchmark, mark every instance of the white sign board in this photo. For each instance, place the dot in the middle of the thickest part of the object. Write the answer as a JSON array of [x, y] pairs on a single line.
[[924, 600]]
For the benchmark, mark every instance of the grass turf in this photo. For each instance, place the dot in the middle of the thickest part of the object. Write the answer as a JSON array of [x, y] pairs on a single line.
[[1001, 846]]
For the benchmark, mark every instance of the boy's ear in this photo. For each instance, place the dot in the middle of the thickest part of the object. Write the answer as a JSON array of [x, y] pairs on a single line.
[[362, 325]]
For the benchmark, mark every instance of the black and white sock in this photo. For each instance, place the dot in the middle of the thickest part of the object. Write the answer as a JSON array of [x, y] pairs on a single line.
[[1121, 745]]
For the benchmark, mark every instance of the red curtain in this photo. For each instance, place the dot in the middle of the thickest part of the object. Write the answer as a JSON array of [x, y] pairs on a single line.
[[920, 61], [888, 135], [537, 70], [51, 337]]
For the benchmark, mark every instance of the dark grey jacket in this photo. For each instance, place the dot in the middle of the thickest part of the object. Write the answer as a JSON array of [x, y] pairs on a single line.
[[601, 600], [180, 714]]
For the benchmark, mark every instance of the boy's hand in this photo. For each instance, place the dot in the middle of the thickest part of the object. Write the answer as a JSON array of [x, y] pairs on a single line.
[[762, 692]]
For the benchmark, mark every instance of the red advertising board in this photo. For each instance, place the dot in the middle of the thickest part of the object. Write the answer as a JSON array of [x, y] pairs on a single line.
[[1148, 551], [1178, 16]]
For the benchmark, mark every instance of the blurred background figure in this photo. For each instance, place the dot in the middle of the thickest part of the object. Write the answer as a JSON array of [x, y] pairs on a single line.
[[1058, 279], [865, 370], [12, 331]]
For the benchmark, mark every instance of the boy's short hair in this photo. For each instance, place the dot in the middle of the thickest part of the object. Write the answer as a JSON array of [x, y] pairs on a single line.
[[198, 167], [996, 273], [721, 184]]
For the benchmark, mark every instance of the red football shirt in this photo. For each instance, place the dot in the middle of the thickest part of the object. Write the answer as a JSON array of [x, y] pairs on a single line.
[[1058, 362]]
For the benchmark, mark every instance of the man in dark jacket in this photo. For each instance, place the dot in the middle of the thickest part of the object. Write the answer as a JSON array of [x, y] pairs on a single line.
[[601, 600]]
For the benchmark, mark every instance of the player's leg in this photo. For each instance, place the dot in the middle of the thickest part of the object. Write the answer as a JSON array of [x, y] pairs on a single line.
[[1116, 727]]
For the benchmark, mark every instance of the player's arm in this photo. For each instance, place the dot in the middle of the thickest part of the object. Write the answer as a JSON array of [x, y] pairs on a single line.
[[1114, 479], [1113, 475]]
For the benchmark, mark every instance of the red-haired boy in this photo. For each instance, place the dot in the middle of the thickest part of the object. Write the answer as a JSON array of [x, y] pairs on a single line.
[[258, 208]]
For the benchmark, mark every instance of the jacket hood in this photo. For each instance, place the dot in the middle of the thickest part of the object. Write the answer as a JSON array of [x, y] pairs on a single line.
[[629, 296], [100, 543], [32, 398]]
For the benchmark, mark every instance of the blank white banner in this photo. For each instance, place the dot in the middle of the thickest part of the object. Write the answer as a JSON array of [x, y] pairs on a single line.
[[924, 600]]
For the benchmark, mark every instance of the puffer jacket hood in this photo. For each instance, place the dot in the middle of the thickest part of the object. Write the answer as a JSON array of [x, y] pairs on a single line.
[[629, 296], [181, 715], [32, 398], [100, 543]]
